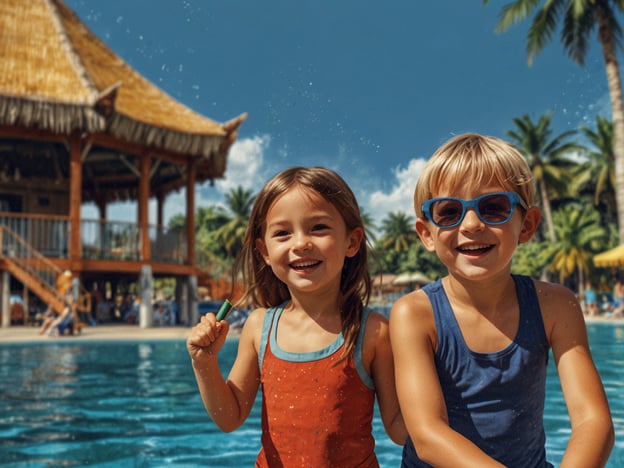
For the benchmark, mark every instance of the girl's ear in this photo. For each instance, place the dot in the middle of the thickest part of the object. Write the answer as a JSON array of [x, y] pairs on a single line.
[[263, 251], [354, 241], [424, 232], [530, 223]]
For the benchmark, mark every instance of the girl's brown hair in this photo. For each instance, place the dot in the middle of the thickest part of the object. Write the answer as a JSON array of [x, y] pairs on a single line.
[[264, 289]]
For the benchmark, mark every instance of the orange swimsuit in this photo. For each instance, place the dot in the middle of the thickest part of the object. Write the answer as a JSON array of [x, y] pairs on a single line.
[[314, 414]]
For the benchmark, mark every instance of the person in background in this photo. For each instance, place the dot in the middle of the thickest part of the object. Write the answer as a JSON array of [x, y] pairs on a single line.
[[318, 353], [65, 321], [590, 300], [618, 298], [46, 319], [471, 349], [132, 314]]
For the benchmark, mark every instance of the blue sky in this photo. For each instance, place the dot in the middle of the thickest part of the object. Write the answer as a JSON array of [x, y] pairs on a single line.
[[366, 88]]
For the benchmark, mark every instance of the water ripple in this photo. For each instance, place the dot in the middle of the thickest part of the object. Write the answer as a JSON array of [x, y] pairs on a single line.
[[123, 404]]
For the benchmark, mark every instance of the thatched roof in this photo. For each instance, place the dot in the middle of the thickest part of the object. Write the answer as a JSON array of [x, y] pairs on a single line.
[[57, 76]]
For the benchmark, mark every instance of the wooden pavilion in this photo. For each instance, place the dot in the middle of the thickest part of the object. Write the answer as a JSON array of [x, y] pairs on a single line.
[[79, 125]]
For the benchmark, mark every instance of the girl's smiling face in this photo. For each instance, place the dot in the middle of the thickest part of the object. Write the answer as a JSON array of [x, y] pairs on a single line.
[[305, 241]]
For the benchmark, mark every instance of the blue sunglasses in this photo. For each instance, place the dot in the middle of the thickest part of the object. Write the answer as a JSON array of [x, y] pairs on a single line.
[[492, 208]]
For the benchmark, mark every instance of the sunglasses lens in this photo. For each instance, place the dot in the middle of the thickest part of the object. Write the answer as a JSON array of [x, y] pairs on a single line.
[[495, 208], [491, 209], [446, 212]]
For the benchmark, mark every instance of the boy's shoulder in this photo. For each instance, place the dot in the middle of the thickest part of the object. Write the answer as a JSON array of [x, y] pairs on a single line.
[[558, 304], [414, 306], [548, 292]]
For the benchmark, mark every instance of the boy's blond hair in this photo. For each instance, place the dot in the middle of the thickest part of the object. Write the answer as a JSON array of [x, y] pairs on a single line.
[[473, 159]]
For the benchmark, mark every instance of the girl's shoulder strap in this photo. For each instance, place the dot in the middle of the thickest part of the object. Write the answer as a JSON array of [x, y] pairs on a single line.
[[357, 354], [267, 324]]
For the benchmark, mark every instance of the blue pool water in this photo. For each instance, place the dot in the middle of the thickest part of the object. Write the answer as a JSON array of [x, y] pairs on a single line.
[[136, 404]]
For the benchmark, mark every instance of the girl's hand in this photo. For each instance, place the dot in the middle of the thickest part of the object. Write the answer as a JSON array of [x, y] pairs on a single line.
[[207, 338]]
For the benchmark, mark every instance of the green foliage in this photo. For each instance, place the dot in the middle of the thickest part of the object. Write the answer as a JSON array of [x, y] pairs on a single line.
[[528, 260], [548, 158], [578, 20], [398, 232], [579, 237], [597, 175]]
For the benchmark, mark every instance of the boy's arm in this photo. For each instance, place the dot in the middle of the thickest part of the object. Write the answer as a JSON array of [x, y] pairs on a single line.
[[227, 402], [592, 435], [413, 338], [377, 339]]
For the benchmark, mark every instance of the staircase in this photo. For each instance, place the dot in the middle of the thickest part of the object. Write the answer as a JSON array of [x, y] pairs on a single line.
[[31, 268]]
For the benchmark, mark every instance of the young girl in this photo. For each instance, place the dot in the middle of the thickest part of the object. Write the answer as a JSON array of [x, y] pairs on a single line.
[[471, 349], [318, 353]]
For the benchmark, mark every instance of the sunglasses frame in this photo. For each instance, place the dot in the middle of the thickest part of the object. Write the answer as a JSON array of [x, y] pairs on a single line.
[[514, 200]]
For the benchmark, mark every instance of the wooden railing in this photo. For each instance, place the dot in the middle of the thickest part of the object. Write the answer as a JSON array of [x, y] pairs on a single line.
[[17, 250], [101, 240], [106, 240], [38, 272], [47, 234], [168, 245]]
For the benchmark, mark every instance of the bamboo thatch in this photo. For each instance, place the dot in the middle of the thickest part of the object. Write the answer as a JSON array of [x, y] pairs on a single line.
[[57, 76]]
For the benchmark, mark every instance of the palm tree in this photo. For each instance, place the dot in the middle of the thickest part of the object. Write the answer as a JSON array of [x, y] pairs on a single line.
[[599, 171], [211, 252], [398, 232], [579, 19], [210, 218], [230, 235], [545, 155], [392, 249], [580, 236], [369, 226]]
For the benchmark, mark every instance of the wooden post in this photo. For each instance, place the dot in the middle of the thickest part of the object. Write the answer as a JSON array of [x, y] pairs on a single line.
[[144, 193], [75, 200], [6, 303], [190, 210]]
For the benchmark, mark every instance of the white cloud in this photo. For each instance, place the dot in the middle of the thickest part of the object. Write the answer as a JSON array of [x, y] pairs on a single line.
[[401, 195], [244, 164]]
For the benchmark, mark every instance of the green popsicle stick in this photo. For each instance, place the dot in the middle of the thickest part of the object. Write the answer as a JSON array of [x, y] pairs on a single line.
[[223, 310]]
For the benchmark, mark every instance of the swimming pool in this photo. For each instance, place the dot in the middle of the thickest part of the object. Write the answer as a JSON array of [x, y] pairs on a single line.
[[112, 404]]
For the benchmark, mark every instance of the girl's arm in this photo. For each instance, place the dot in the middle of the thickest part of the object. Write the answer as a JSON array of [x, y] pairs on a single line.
[[592, 435], [227, 402], [414, 340], [377, 338]]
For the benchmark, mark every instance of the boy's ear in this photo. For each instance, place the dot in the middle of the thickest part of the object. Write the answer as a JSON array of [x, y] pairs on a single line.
[[530, 224], [422, 228], [263, 251]]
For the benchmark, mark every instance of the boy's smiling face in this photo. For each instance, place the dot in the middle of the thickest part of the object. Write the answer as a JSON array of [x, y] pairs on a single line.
[[474, 249]]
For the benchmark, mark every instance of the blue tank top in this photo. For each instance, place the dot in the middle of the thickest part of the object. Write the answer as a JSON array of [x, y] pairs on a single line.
[[494, 399]]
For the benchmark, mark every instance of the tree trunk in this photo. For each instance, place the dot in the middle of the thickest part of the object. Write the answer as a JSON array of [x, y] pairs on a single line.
[[615, 91], [548, 217]]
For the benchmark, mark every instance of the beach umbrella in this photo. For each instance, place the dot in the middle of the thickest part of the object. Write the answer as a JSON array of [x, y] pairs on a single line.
[[415, 277], [610, 258]]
